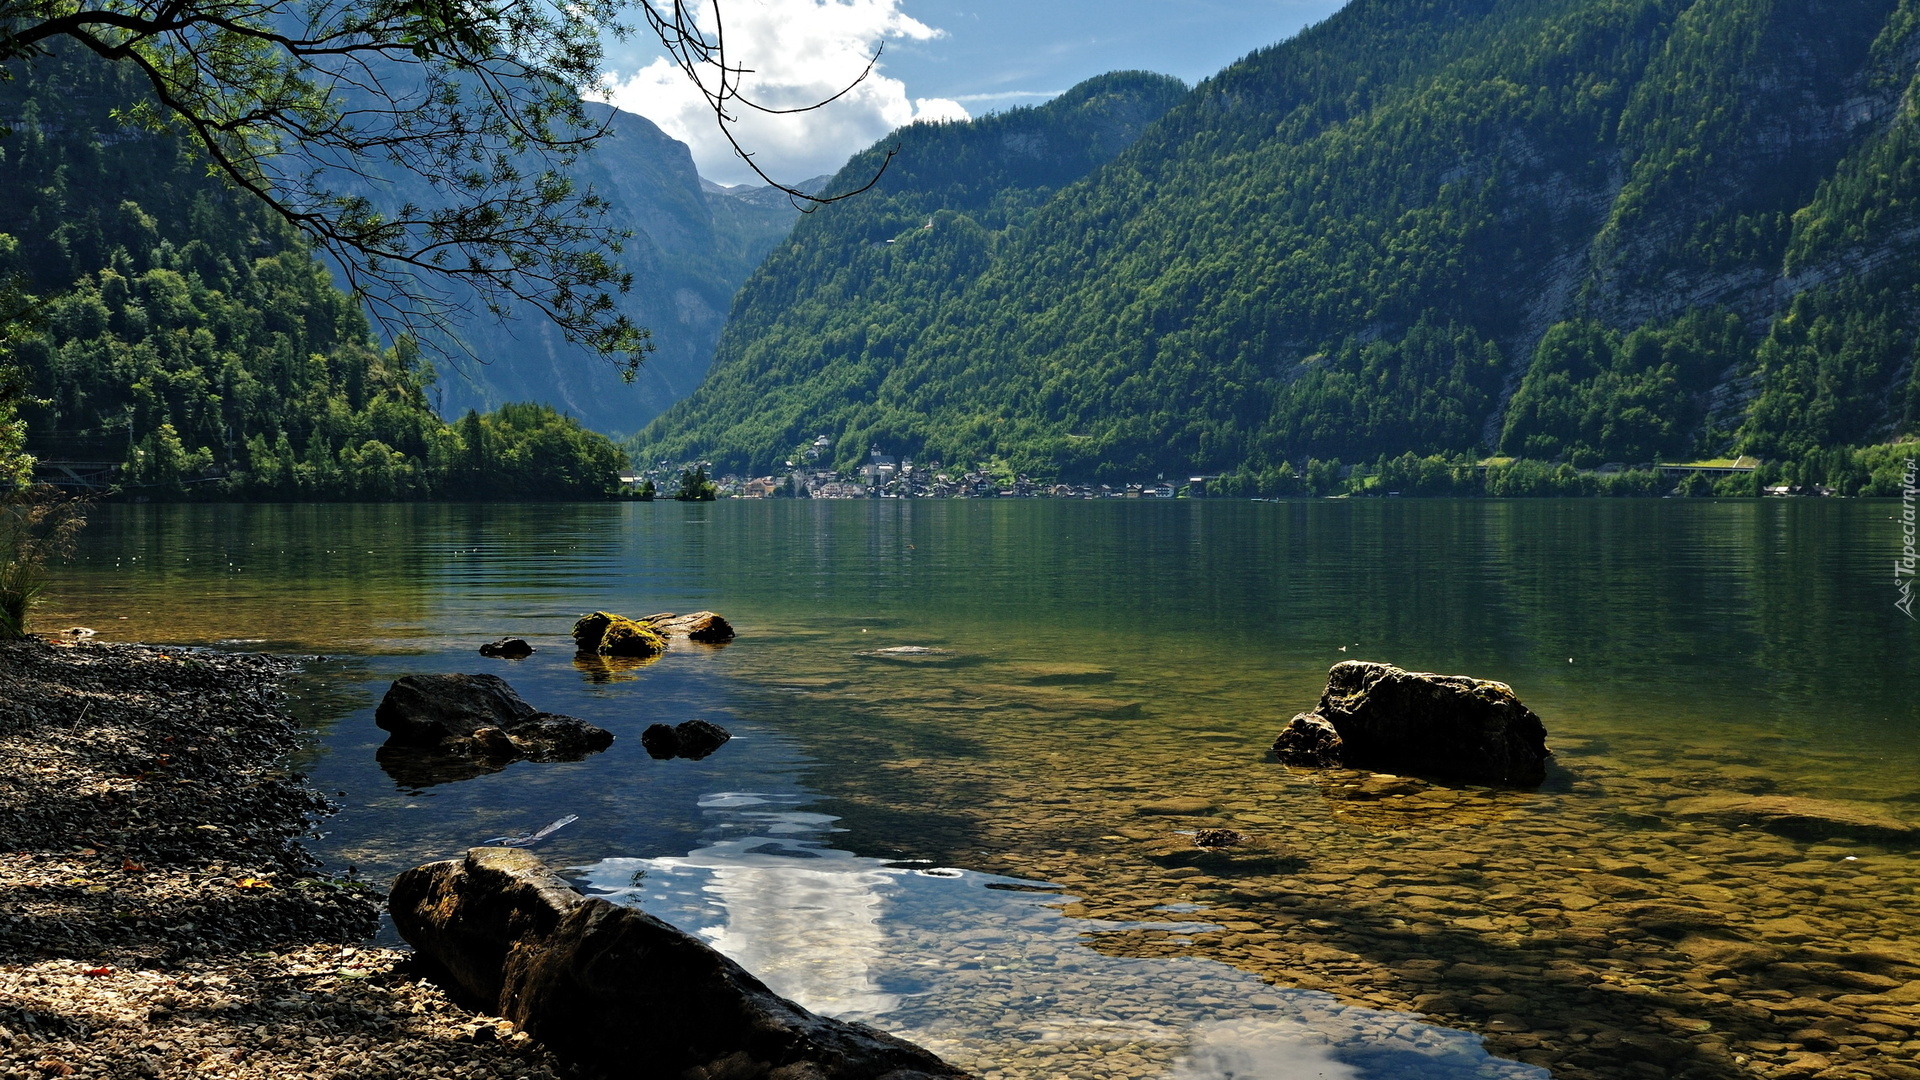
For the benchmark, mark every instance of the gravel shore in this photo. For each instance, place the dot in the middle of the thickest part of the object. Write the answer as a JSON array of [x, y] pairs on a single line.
[[158, 917]]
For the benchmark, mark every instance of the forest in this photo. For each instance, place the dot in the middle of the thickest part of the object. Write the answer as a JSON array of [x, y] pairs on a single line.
[[162, 321], [1574, 232]]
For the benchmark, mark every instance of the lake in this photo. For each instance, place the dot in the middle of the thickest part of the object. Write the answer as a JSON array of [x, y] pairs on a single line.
[[988, 846]]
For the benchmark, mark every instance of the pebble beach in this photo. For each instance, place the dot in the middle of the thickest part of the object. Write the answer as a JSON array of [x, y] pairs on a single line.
[[158, 916]]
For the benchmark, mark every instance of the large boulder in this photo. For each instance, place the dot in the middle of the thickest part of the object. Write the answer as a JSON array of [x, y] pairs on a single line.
[[607, 634], [702, 626], [619, 992], [1376, 716], [479, 716]]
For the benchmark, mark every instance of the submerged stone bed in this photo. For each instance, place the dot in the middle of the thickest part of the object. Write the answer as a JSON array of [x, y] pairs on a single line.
[[1603, 926], [157, 915]]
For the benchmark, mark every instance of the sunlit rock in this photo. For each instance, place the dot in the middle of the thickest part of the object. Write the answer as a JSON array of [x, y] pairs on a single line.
[[1308, 740], [608, 634], [621, 992], [1435, 725], [448, 727], [702, 626]]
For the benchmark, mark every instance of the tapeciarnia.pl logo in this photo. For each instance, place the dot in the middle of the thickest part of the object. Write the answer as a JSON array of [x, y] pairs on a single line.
[[1903, 566]]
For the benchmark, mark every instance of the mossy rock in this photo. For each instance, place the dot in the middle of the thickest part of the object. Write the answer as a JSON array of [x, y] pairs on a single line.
[[608, 634]]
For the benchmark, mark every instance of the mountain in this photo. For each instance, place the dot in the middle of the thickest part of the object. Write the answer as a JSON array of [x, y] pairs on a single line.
[[175, 328], [1575, 230], [693, 243]]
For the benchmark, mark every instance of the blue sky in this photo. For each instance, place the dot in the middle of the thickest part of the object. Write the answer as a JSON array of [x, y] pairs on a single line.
[[943, 59], [999, 46]]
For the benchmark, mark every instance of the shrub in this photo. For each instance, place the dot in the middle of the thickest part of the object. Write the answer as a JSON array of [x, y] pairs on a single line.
[[37, 525]]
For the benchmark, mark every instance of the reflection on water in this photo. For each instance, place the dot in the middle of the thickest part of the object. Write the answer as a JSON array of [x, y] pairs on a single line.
[[972, 964], [1065, 692]]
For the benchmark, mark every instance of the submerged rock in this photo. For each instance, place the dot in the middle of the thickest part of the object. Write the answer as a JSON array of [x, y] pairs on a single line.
[[1802, 819], [1437, 725], [702, 626], [1217, 838], [507, 648], [475, 719], [1226, 853], [618, 991], [608, 634], [693, 739]]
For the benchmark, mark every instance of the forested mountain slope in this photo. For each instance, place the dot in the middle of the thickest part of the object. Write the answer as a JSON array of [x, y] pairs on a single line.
[[1585, 230], [178, 328]]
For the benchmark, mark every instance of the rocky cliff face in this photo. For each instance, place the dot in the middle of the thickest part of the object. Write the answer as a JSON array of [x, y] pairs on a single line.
[[692, 246]]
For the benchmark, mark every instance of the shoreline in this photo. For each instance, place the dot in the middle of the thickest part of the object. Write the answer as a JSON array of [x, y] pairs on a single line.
[[158, 914]]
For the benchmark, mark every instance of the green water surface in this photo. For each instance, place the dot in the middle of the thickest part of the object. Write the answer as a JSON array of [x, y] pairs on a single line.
[[1100, 680]]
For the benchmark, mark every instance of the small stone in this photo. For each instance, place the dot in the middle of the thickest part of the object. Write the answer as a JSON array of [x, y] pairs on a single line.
[[1309, 740], [692, 739], [507, 648]]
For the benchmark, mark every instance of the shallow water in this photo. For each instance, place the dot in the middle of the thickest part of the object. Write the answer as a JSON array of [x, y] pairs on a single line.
[[970, 964], [1102, 681]]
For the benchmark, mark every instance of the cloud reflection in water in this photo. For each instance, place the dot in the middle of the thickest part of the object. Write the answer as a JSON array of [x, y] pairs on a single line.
[[988, 973]]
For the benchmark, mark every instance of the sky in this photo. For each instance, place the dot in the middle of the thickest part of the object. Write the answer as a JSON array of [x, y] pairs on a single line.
[[943, 59]]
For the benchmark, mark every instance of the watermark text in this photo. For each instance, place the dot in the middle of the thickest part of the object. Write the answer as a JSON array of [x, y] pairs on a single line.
[[1903, 567]]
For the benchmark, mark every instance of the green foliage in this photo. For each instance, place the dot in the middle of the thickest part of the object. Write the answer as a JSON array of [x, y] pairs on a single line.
[[18, 315], [1431, 387], [16, 465], [1592, 395], [1826, 368], [1350, 244], [647, 492], [308, 109], [1886, 467], [37, 526], [190, 336], [162, 464], [695, 487], [519, 451], [1875, 191]]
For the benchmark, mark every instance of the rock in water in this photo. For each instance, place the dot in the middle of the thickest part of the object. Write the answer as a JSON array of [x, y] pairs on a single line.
[[480, 716], [1801, 818], [661, 741], [693, 739], [698, 738], [507, 648], [1309, 740], [427, 710], [620, 992], [702, 626], [1435, 725], [608, 634]]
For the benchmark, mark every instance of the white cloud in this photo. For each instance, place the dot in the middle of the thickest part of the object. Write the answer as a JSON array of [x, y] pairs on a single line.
[[799, 52], [1010, 95]]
